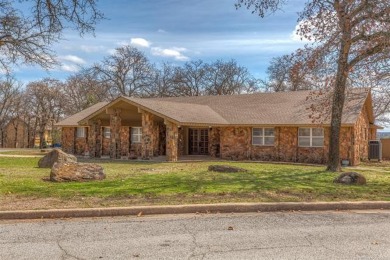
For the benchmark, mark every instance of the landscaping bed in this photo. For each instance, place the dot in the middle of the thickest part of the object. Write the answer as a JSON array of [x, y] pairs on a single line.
[[149, 183]]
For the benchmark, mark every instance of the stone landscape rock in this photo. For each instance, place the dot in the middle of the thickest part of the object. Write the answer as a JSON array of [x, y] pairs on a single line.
[[56, 155], [225, 168], [72, 171], [350, 178]]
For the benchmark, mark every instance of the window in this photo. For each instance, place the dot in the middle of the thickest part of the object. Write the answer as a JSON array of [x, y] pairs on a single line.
[[80, 132], [107, 132], [311, 137], [136, 135], [263, 136]]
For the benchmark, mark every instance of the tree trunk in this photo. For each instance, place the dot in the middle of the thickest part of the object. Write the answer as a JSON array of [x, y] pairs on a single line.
[[339, 94]]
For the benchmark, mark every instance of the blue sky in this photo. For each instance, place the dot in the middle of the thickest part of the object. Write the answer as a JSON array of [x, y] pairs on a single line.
[[177, 31]]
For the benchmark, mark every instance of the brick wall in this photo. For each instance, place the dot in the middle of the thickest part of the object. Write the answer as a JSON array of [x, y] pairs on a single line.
[[236, 144], [67, 139]]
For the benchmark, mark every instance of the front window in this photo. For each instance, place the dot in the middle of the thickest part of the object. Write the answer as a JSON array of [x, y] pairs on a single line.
[[80, 132], [136, 134], [311, 137], [107, 132], [263, 136]]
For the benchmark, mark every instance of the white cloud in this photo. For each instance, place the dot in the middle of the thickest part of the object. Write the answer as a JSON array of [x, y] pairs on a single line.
[[161, 31], [91, 48], [140, 42], [174, 52], [70, 67], [73, 58]]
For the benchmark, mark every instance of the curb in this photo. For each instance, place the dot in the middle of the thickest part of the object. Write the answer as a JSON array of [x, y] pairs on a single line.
[[194, 208]]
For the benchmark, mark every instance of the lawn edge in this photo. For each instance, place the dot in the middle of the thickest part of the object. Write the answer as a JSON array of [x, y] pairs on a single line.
[[193, 208]]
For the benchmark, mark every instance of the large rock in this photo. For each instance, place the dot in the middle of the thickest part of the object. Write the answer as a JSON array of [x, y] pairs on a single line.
[[350, 178], [71, 171], [55, 156], [225, 168]]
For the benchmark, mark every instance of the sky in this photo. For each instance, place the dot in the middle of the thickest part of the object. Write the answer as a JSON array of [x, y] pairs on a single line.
[[178, 31]]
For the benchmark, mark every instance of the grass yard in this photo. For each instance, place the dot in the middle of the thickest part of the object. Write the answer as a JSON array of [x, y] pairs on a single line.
[[145, 183]]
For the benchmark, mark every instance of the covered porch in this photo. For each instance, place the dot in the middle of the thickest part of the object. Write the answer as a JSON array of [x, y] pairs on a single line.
[[123, 130]]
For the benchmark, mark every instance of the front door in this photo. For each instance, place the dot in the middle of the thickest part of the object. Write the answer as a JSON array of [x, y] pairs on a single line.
[[199, 141]]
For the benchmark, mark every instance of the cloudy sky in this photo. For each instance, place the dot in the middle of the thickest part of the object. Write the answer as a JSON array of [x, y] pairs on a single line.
[[178, 31]]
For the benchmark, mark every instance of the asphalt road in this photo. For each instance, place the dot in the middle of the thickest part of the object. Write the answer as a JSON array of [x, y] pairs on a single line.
[[289, 235]]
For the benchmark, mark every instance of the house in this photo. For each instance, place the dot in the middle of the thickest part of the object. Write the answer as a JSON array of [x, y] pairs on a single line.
[[261, 126], [18, 134], [15, 134]]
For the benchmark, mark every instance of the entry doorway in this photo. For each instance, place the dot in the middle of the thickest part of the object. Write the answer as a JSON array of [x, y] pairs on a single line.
[[198, 141]]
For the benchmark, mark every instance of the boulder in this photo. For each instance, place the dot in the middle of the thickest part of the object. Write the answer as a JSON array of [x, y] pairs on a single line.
[[225, 168], [350, 178], [55, 156], [73, 171]]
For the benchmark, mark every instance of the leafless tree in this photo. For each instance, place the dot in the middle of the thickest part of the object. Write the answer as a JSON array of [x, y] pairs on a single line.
[[27, 33], [227, 78], [45, 99], [126, 72], [163, 83], [9, 92], [354, 34], [82, 90], [191, 79]]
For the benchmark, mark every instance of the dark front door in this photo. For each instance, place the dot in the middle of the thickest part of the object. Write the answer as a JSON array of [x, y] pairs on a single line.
[[199, 141]]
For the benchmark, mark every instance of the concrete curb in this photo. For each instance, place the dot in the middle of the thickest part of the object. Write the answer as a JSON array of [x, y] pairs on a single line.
[[194, 208]]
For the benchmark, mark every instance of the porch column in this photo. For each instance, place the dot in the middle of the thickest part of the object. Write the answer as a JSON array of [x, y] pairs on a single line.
[[148, 138], [115, 140], [94, 139], [172, 141]]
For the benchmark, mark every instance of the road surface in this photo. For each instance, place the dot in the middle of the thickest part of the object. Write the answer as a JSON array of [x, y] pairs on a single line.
[[286, 235]]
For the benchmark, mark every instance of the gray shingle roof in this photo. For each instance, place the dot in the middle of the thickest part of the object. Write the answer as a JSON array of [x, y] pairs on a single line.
[[281, 108], [74, 119]]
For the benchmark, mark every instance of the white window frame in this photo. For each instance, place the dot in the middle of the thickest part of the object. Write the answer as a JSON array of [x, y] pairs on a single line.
[[263, 136], [107, 132], [311, 137], [80, 132], [136, 138]]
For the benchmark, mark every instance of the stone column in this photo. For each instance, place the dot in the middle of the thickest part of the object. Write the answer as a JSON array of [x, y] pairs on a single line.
[[115, 140], [172, 141], [94, 139], [148, 138]]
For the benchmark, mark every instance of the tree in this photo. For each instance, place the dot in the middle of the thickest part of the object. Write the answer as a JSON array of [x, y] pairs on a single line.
[[191, 79], [126, 72], [228, 78], [25, 36], [82, 90], [163, 83], [354, 34], [9, 93], [45, 99]]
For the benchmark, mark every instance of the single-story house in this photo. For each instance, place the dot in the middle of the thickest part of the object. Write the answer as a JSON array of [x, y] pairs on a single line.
[[262, 126]]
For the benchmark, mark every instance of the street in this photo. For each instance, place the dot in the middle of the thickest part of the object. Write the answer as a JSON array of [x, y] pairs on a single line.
[[282, 235]]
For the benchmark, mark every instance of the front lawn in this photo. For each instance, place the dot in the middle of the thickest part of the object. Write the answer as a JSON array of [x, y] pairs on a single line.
[[145, 183]]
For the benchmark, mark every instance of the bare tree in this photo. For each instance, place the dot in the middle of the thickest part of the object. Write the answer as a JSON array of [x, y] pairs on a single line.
[[227, 78], [45, 99], [352, 33], [163, 84], [126, 72], [9, 93], [82, 90], [27, 33], [191, 79]]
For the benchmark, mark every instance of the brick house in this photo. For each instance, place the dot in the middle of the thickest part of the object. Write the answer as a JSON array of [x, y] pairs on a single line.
[[261, 126]]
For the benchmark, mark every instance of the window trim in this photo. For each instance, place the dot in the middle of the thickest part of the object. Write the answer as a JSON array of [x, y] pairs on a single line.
[[311, 137], [263, 136], [138, 134], [105, 133], [83, 132]]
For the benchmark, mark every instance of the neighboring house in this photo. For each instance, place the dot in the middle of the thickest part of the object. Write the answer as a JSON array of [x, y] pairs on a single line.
[[16, 134], [262, 126]]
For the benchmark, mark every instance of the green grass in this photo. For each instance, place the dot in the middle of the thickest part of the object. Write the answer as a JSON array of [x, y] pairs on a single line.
[[175, 183], [30, 152]]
